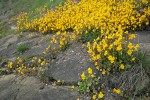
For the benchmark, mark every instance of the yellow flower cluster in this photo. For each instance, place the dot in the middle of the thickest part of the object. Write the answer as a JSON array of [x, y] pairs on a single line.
[[117, 91], [102, 15], [113, 50], [10, 64], [100, 96], [86, 14], [20, 66], [90, 72]]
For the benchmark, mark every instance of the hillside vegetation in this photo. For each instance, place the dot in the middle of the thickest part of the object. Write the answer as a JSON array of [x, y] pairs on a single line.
[[104, 27]]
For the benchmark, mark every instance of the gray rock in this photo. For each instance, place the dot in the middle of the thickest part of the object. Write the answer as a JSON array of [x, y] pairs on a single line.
[[35, 51], [6, 41], [29, 88], [145, 47], [8, 52], [8, 90], [13, 59], [70, 64], [48, 93], [142, 37]]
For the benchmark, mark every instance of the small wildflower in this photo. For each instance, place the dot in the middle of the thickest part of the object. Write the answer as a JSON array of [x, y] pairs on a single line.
[[117, 91], [111, 58], [39, 60], [136, 47], [97, 67], [104, 72], [129, 52], [122, 66], [131, 36], [100, 95], [58, 81], [133, 59], [83, 76], [44, 52], [89, 70], [94, 97], [72, 86], [92, 75]]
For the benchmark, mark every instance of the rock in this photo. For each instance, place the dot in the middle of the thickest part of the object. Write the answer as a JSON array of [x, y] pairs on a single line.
[[142, 37], [70, 64], [48, 93], [29, 88], [6, 41], [145, 47], [9, 51], [35, 51], [8, 90], [13, 59], [36, 48]]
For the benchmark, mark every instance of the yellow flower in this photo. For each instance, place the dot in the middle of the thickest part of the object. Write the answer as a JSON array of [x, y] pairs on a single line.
[[94, 97], [89, 70], [39, 60], [131, 36], [111, 58], [42, 63], [110, 47], [98, 56], [104, 72], [58, 81], [92, 75], [136, 47], [96, 63], [44, 52], [129, 52], [105, 53], [130, 46], [122, 66], [119, 47], [100, 95], [58, 33], [99, 49], [72, 86], [144, 1], [97, 67], [133, 59], [118, 91], [19, 60], [33, 68], [83, 76], [10, 64]]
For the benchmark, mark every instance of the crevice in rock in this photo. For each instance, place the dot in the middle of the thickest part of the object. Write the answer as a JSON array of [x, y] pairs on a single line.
[[51, 80]]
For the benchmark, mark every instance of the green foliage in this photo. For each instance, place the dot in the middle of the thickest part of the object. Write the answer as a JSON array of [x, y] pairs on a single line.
[[27, 58], [65, 47], [42, 75], [89, 36], [144, 60], [47, 39], [89, 85], [22, 48]]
